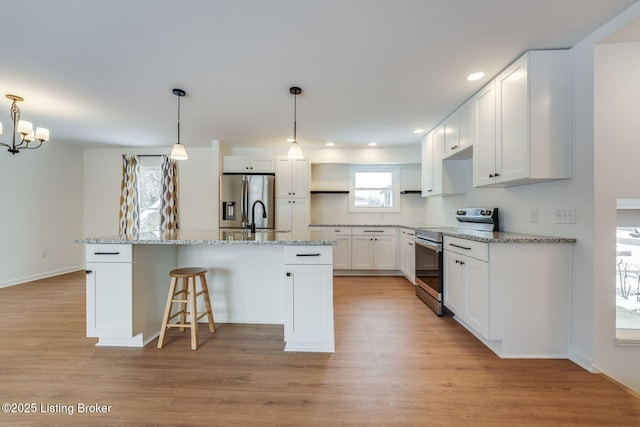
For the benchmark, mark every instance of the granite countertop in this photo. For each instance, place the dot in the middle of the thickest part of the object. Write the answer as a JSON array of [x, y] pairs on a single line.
[[479, 236], [209, 237], [505, 237], [412, 226]]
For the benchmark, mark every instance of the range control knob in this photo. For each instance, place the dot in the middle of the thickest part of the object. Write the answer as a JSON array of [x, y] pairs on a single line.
[[461, 212]]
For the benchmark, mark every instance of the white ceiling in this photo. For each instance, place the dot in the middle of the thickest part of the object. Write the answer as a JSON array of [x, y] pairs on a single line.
[[99, 73]]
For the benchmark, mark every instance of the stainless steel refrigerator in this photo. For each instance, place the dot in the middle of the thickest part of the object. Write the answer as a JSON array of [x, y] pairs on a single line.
[[239, 196]]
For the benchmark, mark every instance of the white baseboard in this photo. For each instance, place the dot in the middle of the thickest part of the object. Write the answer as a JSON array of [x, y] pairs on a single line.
[[25, 279], [582, 360]]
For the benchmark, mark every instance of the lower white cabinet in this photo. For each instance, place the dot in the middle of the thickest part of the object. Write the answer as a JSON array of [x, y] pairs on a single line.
[[109, 299], [308, 323], [374, 248], [467, 289], [513, 296], [408, 254], [342, 248]]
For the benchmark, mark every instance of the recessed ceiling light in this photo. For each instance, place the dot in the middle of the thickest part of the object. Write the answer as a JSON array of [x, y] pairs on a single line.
[[418, 131], [330, 144], [475, 76], [373, 144], [290, 139]]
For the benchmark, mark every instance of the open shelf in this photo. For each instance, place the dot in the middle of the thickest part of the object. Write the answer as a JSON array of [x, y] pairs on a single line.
[[329, 191]]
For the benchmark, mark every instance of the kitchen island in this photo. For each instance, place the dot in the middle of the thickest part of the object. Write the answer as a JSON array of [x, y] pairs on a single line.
[[261, 277]]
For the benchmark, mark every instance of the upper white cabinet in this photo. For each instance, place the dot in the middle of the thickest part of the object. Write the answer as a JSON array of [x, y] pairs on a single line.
[[440, 177], [292, 177], [460, 132], [245, 164], [523, 122]]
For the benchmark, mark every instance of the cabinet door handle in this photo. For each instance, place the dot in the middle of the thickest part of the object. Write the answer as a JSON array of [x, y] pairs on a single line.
[[461, 262], [106, 253], [410, 244], [458, 246], [288, 274], [88, 272], [491, 175], [307, 254], [374, 231], [497, 174]]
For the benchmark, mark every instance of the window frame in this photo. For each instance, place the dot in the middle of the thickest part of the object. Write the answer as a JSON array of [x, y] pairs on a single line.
[[395, 187]]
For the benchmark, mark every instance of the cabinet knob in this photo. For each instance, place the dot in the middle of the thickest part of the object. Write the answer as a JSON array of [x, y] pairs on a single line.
[[88, 271], [491, 175], [497, 174], [288, 274]]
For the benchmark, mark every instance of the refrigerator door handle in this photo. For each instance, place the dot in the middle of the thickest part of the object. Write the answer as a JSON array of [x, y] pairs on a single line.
[[243, 201]]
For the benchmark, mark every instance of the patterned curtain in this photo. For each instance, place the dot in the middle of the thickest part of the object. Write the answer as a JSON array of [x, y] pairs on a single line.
[[129, 212], [169, 211]]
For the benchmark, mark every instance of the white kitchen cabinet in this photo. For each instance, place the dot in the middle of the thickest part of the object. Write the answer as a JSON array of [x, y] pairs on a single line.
[[292, 196], [293, 215], [342, 249], [408, 254], [125, 299], [292, 177], [514, 297], [308, 324], [440, 177], [246, 164], [460, 132], [466, 292], [524, 122], [109, 299], [374, 248]]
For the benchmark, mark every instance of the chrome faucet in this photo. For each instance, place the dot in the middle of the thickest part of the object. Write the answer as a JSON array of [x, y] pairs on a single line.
[[253, 214]]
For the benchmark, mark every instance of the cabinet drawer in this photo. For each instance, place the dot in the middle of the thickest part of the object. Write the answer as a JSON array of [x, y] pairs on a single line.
[[478, 250], [373, 231], [108, 253], [408, 232], [308, 254], [341, 231]]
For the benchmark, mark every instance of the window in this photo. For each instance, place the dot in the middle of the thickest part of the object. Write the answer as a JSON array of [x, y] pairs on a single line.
[[150, 194], [374, 189], [628, 272]]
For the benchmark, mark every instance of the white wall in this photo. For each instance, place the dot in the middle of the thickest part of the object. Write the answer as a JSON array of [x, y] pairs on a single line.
[[103, 176], [334, 208], [40, 209], [617, 175]]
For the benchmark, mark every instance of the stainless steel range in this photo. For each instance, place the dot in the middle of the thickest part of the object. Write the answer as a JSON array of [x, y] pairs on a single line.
[[429, 268]]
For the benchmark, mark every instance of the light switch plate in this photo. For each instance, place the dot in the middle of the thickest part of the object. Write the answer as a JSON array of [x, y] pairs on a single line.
[[566, 216]]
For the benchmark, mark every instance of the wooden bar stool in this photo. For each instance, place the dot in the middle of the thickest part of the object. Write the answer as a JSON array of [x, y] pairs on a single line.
[[188, 295]]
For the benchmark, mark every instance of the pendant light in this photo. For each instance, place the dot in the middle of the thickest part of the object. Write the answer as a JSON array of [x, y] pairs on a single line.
[[295, 151], [178, 152]]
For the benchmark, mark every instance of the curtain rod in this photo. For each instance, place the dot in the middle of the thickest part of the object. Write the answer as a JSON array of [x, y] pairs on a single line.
[[149, 155]]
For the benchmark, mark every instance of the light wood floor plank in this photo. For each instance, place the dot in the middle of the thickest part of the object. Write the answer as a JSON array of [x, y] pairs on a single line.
[[396, 363]]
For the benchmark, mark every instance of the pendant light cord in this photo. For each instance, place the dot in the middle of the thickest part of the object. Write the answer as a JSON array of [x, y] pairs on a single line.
[[295, 121], [179, 119]]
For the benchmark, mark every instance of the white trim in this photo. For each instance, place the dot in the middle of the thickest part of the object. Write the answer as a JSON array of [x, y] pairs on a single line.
[[395, 171], [45, 275]]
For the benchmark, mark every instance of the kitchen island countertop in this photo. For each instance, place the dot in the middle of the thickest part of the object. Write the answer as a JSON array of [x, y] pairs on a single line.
[[208, 238]]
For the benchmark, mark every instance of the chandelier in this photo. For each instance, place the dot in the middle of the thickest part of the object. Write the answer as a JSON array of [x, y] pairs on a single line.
[[23, 128]]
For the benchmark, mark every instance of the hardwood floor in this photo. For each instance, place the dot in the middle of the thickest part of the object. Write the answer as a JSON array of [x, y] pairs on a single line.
[[396, 363]]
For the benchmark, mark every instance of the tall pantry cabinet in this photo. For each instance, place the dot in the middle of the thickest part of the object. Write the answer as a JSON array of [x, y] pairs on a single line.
[[292, 196]]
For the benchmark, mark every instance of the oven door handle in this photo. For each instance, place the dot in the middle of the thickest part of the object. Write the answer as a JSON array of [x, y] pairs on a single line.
[[430, 245]]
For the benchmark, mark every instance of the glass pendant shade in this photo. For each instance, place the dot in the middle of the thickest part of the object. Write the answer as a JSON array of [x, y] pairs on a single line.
[[295, 152], [178, 152]]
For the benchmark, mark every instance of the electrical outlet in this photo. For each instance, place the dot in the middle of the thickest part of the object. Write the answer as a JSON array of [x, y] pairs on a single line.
[[566, 216], [533, 215], [43, 253]]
